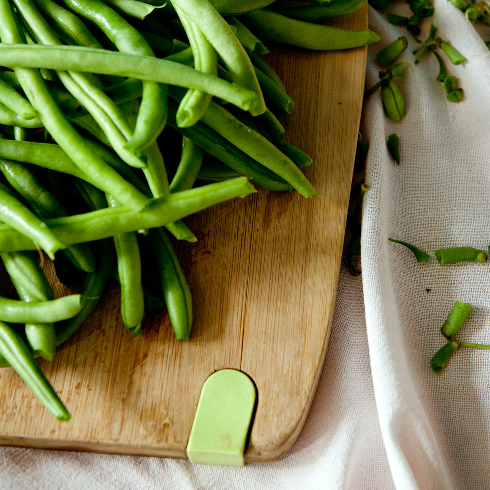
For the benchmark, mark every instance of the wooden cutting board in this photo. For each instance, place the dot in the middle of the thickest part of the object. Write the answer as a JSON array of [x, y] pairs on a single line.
[[263, 275]]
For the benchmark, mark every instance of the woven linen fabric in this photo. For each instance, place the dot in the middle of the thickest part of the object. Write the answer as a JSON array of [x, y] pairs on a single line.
[[380, 419]]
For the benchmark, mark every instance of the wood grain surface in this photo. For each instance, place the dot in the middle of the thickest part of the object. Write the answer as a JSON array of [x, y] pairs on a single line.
[[263, 275]]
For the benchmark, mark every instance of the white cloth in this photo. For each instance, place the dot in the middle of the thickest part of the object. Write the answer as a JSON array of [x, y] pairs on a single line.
[[380, 419]]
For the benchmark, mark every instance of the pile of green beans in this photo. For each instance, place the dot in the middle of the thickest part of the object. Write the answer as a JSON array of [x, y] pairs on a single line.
[[92, 95]]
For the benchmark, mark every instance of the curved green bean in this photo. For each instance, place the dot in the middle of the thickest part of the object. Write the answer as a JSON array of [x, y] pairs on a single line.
[[319, 13], [176, 291], [277, 27], [34, 87], [114, 221], [152, 117], [189, 166], [129, 272], [15, 102], [100, 61], [195, 103], [31, 285], [221, 37], [18, 216], [16, 353], [15, 311], [10, 118], [66, 25]]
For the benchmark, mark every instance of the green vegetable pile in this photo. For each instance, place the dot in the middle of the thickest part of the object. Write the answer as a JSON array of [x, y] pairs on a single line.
[[91, 94]]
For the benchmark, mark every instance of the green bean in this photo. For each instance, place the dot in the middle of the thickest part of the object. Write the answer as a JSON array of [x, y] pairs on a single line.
[[45, 155], [195, 103], [220, 35], [16, 353], [30, 281], [216, 171], [249, 40], [153, 301], [10, 118], [219, 147], [156, 177], [54, 121], [21, 134], [299, 157], [18, 216], [234, 7], [456, 318], [12, 310], [129, 272], [46, 206], [92, 289], [105, 112], [276, 27], [95, 282], [116, 138], [109, 222], [275, 94], [114, 63], [31, 285], [175, 288], [420, 255], [319, 13], [257, 147], [54, 158], [189, 166], [152, 117], [10, 78], [439, 361], [247, 119], [264, 67], [126, 91], [162, 46], [459, 254], [15, 102], [225, 6], [272, 126], [138, 10], [67, 25]]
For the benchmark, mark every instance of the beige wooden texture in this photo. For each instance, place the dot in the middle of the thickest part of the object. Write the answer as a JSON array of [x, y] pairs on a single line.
[[263, 275]]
